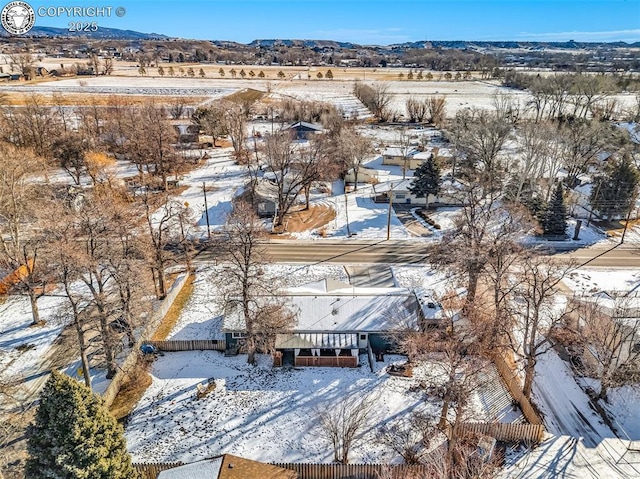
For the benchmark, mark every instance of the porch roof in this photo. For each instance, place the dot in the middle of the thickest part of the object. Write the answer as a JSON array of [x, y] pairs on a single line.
[[316, 341]]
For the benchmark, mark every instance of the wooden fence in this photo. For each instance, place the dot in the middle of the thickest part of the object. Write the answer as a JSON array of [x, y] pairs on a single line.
[[189, 345], [317, 471], [130, 361], [531, 433], [151, 471], [513, 385], [353, 471], [327, 361]]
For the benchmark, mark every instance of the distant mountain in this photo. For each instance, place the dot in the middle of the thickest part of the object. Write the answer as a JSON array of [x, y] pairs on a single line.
[[453, 44], [513, 44], [101, 33], [306, 43]]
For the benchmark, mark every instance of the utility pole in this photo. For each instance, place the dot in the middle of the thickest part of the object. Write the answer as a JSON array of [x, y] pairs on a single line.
[[626, 222], [206, 210], [595, 200], [346, 212], [389, 212]]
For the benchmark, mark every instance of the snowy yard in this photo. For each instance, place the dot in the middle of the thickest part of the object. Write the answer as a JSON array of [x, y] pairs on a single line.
[[588, 280], [256, 412], [35, 342], [264, 413], [202, 315]]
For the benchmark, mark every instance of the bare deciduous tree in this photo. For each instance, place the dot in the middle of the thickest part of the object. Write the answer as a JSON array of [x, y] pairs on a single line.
[[236, 125], [610, 337], [23, 63], [410, 438], [377, 98], [294, 166], [68, 151], [353, 149], [538, 311], [481, 138], [20, 242], [417, 109], [436, 110], [581, 141], [247, 294], [342, 423]]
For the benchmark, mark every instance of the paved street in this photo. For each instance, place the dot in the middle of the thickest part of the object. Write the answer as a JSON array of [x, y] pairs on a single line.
[[410, 252]]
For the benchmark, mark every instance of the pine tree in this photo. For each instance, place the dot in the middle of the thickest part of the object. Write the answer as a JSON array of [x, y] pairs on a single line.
[[74, 436], [614, 192], [555, 219], [426, 180]]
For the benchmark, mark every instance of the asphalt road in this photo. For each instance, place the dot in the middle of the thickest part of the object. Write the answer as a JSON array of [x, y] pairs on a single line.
[[410, 252]]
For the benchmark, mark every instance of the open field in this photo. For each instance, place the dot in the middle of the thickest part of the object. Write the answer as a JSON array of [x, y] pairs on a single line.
[[298, 82]]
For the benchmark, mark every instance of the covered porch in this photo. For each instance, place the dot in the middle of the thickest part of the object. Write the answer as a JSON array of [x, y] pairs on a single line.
[[317, 349]]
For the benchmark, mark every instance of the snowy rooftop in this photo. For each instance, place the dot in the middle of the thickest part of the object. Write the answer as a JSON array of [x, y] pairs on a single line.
[[396, 151], [329, 305], [209, 469]]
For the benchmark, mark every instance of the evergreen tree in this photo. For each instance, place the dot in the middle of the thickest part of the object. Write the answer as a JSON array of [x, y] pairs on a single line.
[[555, 219], [426, 180], [74, 436], [614, 192]]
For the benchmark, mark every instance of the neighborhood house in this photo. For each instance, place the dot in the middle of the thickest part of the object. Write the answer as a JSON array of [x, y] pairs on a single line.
[[337, 322]]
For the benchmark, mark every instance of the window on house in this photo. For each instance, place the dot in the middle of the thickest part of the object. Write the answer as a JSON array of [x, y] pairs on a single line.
[[237, 335], [400, 197], [363, 337]]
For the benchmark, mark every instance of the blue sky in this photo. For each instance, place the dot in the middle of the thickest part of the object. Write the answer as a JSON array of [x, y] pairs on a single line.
[[371, 21]]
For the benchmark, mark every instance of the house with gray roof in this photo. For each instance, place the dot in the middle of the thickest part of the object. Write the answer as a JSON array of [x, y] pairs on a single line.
[[336, 322]]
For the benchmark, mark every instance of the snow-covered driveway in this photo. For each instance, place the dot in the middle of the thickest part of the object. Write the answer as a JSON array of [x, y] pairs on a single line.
[[564, 404]]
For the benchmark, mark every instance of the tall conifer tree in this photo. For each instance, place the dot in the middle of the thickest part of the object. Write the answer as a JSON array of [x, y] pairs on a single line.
[[426, 180], [74, 436]]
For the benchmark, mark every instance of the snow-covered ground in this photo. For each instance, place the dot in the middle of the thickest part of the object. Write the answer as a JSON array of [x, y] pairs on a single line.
[[357, 215], [423, 277], [267, 414], [564, 405], [568, 458], [257, 412], [202, 314], [624, 406], [586, 281], [16, 331]]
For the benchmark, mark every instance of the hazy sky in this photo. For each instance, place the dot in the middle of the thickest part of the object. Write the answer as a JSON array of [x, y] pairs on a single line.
[[371, 21]]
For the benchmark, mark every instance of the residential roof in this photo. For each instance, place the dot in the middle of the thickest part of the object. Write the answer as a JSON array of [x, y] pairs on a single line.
[[346, 310], [228, 466], [209, 468], [304, 125], [316, 341], [397, 151], [234, 467]]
